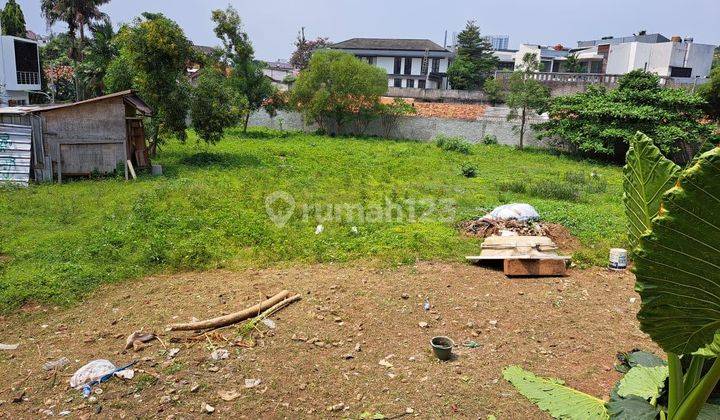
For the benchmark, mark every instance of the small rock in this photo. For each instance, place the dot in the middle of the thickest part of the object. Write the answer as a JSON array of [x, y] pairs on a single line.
[[214, 369], [195, 388], [423, 324], [405, 296], [64, 413], [409, 410], [269, 323], [319, 229], [252, 383], [319, 343], [337, 319], [220, 354], [207, 408], [231, 395], [348, 356], [633, 300], [493, 323], [165, 399], [57, 364], [337, 407], [172, 353], [358, 348], [300, 337], [385, 363]]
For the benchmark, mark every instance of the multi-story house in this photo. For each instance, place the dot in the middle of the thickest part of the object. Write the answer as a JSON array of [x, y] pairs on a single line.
[[681, 59], [412, 63], [21, 72]]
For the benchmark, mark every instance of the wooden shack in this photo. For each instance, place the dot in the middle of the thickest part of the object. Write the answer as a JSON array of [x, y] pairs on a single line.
[[78, 139], [96, 135]]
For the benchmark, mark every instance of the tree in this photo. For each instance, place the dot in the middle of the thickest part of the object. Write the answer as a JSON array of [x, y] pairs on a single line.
[[12, 20], [77, 14], [335, 87], [253, 86], [494, 91], [525, 95], [601, 122], [305, 48], [710, 91], [572, 64], [59, 73], [99, 53], [155, 51], [214, 106], [246, 74], [474, 59]]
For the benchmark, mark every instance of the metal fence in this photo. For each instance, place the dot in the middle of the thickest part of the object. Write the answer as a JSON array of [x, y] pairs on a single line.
[[15, 154], [28, 78]]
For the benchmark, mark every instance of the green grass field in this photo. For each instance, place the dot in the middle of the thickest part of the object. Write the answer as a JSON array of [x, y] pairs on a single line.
[[209, 210]]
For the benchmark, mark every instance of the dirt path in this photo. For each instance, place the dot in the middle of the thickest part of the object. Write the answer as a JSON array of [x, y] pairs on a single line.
[[569, 328]]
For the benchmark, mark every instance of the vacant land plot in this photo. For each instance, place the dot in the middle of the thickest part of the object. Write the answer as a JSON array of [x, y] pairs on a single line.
[[209, 210], [326, 350]]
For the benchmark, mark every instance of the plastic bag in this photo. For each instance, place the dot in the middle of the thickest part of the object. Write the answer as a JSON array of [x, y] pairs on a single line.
[[92, 371], [518, 211]]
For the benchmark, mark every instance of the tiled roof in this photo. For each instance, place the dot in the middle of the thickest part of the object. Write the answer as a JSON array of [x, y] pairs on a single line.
[[388, 44]]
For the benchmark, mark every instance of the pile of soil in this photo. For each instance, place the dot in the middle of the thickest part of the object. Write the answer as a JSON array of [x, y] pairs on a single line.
[[485, 227], [358, 342]]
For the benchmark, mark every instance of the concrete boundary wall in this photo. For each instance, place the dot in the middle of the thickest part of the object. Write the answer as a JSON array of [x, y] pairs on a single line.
[[419, 128]]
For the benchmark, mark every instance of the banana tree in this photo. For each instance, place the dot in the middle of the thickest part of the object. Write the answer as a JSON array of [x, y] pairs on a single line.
[[674, 228]]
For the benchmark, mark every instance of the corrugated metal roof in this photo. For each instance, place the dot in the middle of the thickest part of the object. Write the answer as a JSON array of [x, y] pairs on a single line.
[[129, 95]]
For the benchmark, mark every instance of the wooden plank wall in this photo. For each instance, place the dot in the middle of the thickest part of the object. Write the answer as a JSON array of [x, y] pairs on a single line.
[[86, 138]]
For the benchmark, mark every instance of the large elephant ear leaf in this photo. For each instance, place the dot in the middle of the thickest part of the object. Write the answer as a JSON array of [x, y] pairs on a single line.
[[557, 399], [677, 265], [646, 177]]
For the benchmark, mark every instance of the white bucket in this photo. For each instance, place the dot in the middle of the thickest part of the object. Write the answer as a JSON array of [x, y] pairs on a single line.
[[618, 259]]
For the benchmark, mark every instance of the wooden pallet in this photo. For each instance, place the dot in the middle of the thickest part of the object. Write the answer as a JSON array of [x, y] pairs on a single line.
[[528, 266]]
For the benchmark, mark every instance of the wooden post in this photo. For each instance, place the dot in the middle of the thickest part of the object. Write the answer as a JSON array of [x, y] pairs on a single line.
[[129, 166]]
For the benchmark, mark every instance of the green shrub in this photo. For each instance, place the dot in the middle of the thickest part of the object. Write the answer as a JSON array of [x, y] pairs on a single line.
[[469, 170], [576, 178], [554, 190], [513, 186], [453, 144], [494, 91], [596, 185], [489, 139]]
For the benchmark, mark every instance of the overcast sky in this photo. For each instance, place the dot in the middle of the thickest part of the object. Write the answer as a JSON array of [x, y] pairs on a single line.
[[273, 24]]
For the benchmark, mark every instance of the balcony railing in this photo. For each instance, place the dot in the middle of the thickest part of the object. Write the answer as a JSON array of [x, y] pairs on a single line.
[[28, 78], [580, 78]]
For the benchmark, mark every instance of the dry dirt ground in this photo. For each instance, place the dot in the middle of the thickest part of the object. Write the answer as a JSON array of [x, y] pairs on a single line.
[[323, 358]]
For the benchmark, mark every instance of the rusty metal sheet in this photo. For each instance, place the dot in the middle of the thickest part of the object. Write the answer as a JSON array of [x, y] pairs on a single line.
[[15, 154]]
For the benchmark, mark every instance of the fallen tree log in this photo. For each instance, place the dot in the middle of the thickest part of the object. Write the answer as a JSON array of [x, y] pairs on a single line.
[[233, 318]]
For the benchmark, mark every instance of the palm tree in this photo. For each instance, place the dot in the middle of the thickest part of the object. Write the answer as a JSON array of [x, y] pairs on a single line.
[[77, 14], [98, 54]]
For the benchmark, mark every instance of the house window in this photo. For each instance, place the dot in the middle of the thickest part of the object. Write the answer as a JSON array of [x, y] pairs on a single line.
[[408, 65], [410, 83], [397, 82], [436, 65], [371, 60], [596, 66], [421, 83], [398, 65], [680, 71], [424, 66]]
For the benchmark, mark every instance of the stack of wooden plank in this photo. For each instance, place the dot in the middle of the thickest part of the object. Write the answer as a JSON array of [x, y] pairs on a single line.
[[523, 255]]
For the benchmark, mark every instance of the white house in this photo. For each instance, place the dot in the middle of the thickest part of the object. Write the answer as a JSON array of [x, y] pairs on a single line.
[[21, 71], [278, 72], [680, 59], [413, 63]]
